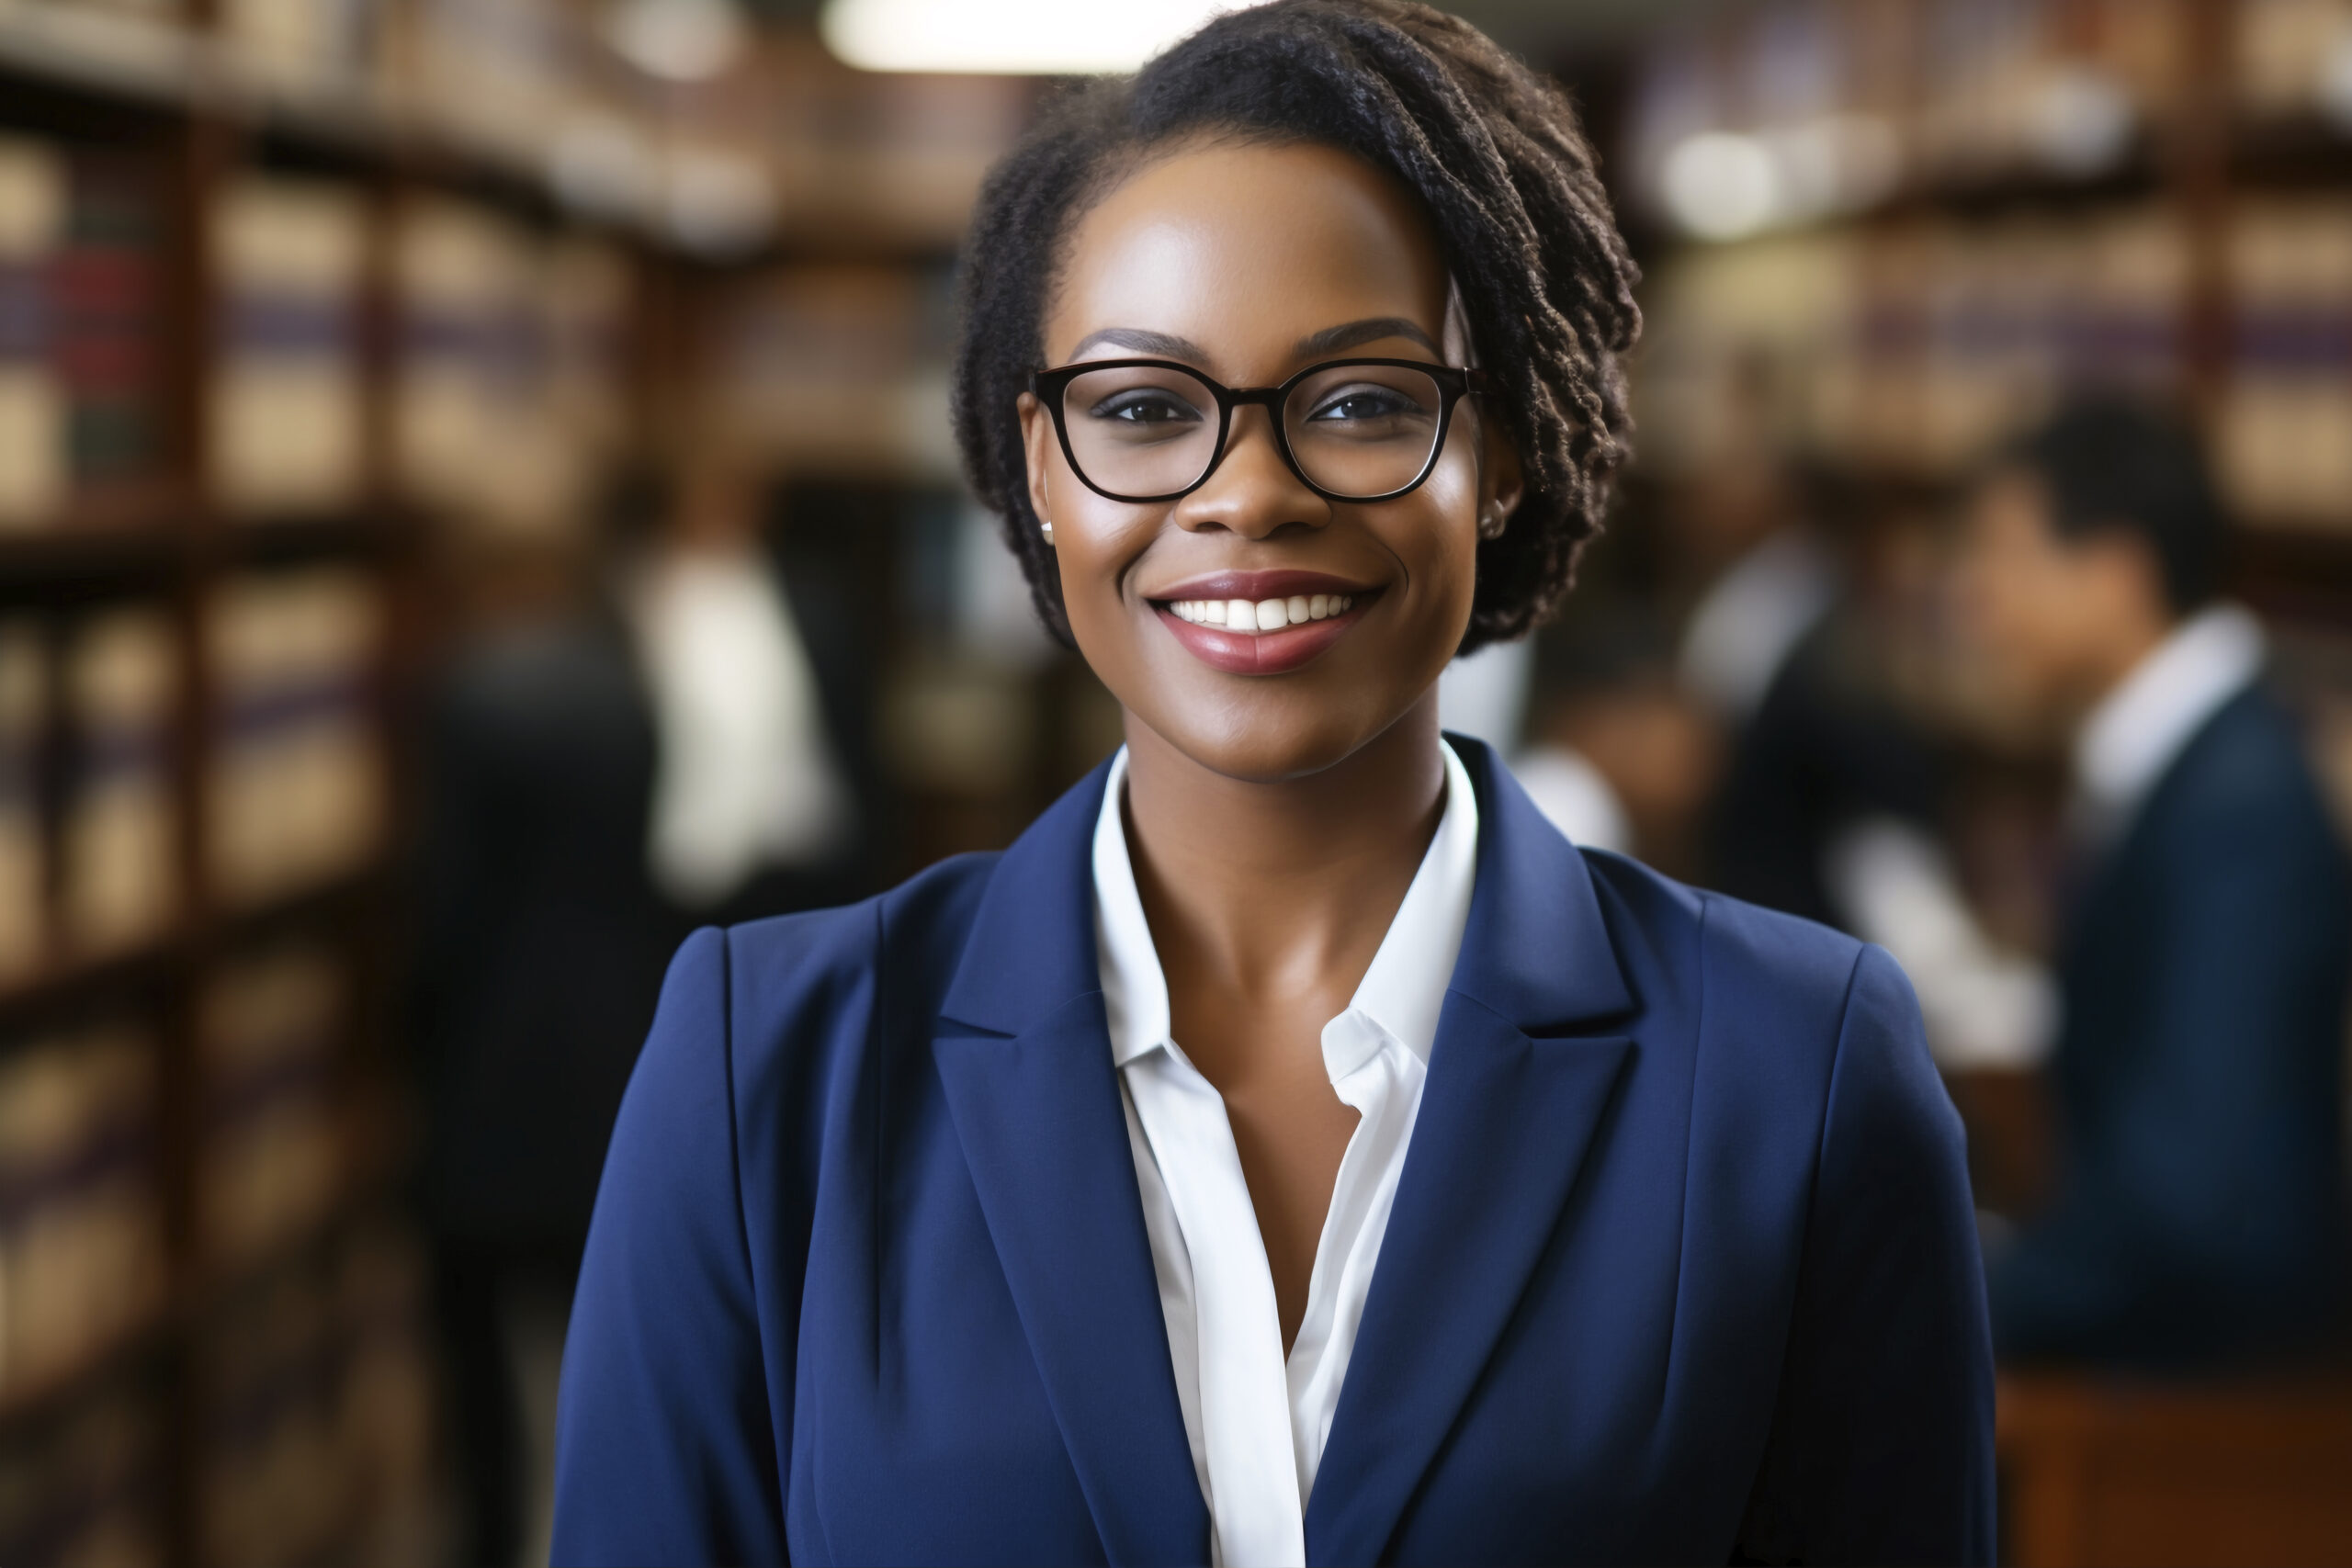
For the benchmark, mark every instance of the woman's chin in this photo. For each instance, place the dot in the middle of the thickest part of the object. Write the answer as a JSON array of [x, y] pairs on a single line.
[[1272, 737]]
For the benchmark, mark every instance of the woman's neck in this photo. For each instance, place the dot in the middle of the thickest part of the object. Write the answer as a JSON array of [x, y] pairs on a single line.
[[1273, 890]]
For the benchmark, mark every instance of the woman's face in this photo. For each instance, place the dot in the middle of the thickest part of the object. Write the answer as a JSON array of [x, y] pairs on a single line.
[[1250, 264]]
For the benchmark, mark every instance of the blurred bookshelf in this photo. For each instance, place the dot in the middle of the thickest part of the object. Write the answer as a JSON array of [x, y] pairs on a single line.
[[1924, 220], [1999, 201], [292, 292]]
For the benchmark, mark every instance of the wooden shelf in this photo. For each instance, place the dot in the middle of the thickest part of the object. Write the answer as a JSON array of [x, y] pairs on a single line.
[[65, 63], [190, 1307], [2295, 153], [82, 562], [1982, 193], [176, 108], [128, 59], [75, 988]]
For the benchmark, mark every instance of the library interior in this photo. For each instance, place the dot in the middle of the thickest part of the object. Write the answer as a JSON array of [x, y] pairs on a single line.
[[478, 502]]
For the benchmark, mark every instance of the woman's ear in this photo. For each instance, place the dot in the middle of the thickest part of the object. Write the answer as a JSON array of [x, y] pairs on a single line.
[[1502, 478], [1037, 443]]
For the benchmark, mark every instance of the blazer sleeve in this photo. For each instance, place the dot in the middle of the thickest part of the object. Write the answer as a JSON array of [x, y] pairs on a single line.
[[1882, 1444], [664, 1445]]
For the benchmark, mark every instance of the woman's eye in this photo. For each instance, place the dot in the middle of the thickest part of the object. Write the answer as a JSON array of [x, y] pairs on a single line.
[[1145, 409], [1364, 403]]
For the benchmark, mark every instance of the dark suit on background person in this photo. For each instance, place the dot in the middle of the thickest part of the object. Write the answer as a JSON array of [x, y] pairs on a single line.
[[541, 944], [2199, 1075], [1826, 749]]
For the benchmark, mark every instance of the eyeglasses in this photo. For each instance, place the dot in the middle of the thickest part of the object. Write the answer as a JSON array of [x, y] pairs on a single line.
[[1145, 430]]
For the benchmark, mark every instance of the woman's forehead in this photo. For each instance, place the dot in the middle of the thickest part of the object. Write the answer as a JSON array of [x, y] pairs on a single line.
[[1247, 250]]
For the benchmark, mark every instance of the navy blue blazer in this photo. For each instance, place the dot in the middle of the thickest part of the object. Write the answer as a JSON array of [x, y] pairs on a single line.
[[2200, 1074], [1683, 1265]]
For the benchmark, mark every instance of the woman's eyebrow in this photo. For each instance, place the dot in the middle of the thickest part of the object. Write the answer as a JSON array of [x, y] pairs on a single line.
[[1160, 344], [1335, 340]]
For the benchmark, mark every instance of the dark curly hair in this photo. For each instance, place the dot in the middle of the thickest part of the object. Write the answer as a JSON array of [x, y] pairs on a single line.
[[1494, 153]]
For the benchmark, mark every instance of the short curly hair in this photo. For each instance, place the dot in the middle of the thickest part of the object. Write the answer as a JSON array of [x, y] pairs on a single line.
[[1494, 153]]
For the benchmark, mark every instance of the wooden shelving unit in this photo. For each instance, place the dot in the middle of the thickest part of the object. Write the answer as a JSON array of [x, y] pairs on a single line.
[[170, 93], [2198, 153], [174, 101]]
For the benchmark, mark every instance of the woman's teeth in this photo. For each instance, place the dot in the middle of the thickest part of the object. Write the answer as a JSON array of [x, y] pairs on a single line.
[[1265, 615]]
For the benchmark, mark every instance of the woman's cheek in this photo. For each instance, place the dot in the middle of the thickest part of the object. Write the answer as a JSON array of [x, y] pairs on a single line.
[[1096, 550]]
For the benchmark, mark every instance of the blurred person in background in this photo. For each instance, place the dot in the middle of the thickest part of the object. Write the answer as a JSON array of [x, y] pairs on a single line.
[[1780, 648], [1487, 697], [752, 811], [1606, 700], [2199, 1073], [630, 741], [539, 949], [1830, 798]]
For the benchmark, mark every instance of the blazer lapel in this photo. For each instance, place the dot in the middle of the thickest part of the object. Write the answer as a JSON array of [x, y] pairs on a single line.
[[1518, 1085], [1036, 1103]]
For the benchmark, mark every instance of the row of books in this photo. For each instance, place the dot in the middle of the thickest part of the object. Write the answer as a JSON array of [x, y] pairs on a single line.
[[1917, 347], [273, 1162], [82, 1246], [83, 1258], [837, 370], [89, 829], [316, 1431], [89, 1485], [509, 397], [509, 360], [1845, 101], [586, 98], [318, 1439]]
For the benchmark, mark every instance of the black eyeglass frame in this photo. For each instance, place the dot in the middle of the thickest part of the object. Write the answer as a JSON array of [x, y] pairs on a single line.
[[1453, 384]]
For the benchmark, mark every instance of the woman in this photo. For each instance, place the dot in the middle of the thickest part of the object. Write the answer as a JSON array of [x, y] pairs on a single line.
[[1501, 1201]]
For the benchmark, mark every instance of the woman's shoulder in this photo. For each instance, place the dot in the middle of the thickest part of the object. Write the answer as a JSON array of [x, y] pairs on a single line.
[[1746, 958], [806, 974], [1798, 1015]]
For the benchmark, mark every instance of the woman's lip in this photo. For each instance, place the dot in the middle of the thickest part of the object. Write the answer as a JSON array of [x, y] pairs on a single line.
[[1256, 585], [1258, 653]]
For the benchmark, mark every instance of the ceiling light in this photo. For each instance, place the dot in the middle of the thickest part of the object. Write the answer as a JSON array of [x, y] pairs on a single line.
[[1720, 187], [1033, 38]]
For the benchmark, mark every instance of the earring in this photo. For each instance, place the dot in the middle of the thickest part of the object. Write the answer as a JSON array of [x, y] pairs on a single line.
[[1048, 530]]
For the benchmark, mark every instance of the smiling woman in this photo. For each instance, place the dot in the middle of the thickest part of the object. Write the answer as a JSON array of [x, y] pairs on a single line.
[[1292, 1148]]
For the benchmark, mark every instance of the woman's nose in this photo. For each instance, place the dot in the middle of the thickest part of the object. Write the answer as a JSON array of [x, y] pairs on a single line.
[[1252, 492]]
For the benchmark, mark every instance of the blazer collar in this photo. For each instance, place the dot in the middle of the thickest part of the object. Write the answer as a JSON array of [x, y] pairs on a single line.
[[1535, 950], [1032, 946], [1035, 1100], [1518, 1086]]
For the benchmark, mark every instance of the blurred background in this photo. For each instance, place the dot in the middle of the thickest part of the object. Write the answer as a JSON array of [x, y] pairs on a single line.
[[476, 502]]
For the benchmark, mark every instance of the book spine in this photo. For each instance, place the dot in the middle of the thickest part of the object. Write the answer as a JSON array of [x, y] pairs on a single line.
[[81, 1242], [33, 474], [298, 788], [272, 1148], [287, 426], [105, 301], [119, 884], [23, 724]]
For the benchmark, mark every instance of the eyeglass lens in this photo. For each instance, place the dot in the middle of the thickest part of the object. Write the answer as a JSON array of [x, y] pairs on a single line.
[[1355, 430]]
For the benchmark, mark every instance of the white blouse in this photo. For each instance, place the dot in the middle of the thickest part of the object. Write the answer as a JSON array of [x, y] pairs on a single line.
[[1256, 1423]]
